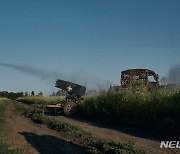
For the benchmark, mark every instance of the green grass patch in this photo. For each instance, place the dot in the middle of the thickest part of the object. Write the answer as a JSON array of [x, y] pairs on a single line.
[[5, 148], [40, 99], [84, 138]]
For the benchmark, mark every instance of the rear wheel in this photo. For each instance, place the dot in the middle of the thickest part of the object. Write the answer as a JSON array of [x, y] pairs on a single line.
[[70, 108]]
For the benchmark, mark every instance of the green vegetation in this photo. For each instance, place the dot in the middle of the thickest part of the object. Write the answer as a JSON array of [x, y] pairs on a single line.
[[82, 137], [40, 99], [154, 112], [4, 148], [11, 95]]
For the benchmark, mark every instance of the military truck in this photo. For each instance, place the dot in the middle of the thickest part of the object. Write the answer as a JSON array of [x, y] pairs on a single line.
[[132, 76]]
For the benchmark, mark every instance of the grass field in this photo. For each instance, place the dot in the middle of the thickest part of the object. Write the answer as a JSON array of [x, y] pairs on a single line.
[[40, 100], [5, 148], [155, 112]]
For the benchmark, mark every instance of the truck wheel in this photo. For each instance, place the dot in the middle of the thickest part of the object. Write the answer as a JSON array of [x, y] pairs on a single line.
[[70, 108]]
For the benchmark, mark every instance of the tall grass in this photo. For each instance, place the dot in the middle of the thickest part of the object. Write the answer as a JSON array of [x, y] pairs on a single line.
[[3, 106], [5, 148], [40, 100], [157, 112]]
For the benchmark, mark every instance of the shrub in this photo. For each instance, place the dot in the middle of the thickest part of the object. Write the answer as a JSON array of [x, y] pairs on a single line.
[[152, 111]]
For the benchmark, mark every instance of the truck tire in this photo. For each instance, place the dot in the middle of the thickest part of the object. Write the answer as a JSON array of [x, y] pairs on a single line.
[[70, 108]]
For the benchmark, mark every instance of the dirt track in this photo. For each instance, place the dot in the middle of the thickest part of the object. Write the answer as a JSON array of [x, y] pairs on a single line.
[[21, 132], [34, 138], [146, 144]]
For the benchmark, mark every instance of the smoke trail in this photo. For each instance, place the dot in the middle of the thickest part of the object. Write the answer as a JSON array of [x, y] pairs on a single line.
[[80, 77], [37, 72], [174, 74]]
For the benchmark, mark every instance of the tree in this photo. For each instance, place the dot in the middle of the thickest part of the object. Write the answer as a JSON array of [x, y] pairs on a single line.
[[40, 93], [32, 93], [53, 94], [26, 94]]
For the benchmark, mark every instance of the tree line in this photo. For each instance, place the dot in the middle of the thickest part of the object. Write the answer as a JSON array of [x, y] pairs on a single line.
[[15, 95]]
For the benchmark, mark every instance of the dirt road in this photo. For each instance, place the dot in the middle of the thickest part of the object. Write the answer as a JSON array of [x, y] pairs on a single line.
[[34, 138], [146, 144], [21, 132]]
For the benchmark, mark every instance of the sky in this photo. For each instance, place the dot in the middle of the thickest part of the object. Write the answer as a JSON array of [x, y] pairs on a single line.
[[90, 40]]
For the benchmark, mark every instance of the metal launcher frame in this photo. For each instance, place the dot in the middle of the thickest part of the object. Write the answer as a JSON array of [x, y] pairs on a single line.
[[131, 76], [70, 104], [72, 89]]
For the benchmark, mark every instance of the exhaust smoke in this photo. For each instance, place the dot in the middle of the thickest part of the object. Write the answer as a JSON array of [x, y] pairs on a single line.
[[37, 72], [81, 77], [174, 75]]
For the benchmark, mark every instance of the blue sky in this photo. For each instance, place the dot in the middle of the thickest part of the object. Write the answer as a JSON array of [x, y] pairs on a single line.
[[99, 38]]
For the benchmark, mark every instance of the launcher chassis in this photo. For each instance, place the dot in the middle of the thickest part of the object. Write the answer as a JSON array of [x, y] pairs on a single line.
[[68, 106]]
